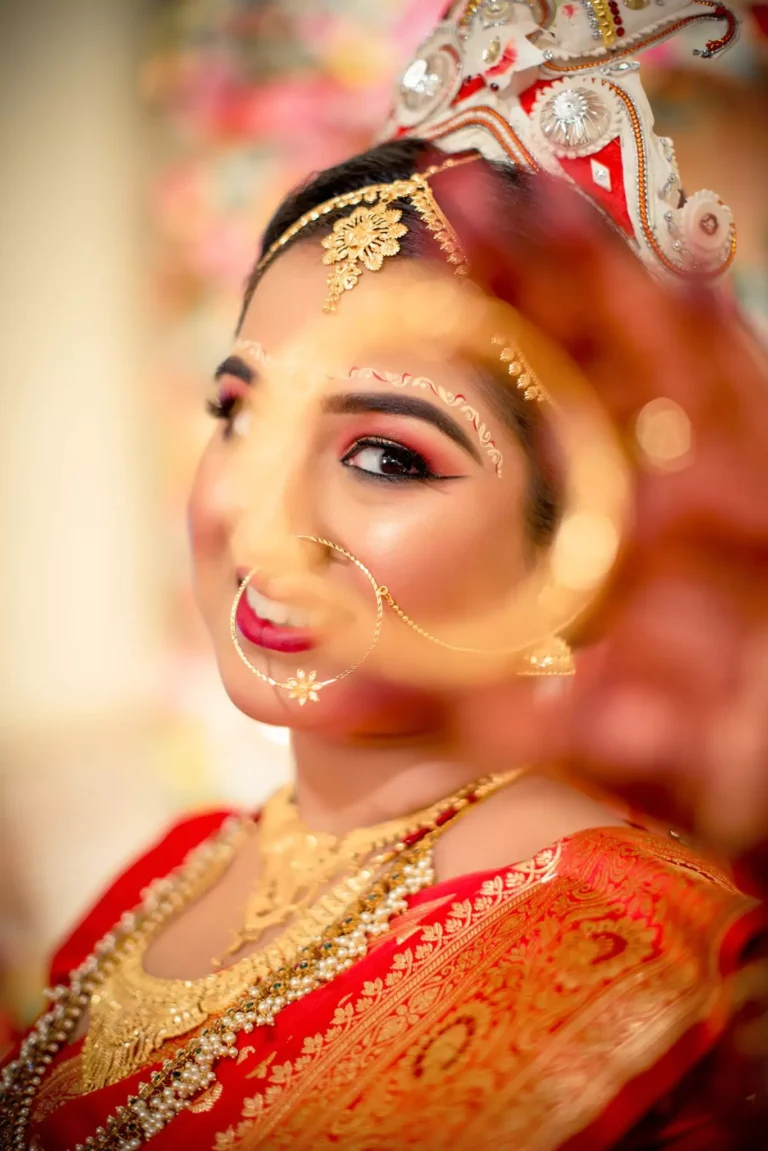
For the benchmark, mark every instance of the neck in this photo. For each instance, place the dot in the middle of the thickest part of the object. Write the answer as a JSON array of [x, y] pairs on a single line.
[[345, 781], [340, 786]]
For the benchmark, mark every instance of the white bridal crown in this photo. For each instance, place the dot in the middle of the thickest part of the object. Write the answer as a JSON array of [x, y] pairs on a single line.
[[552, 85]]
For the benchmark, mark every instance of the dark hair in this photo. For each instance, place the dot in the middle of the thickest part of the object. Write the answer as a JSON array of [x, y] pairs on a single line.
[[399, 160]]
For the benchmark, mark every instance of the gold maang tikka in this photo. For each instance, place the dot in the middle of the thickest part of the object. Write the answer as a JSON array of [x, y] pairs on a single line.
[[372, 232]]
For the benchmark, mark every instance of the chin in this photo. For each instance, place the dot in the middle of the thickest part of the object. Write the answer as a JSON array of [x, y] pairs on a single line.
[[353, 706]]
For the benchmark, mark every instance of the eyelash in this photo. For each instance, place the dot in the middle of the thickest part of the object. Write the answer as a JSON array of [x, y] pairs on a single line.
[[407, 456], [223, 407]]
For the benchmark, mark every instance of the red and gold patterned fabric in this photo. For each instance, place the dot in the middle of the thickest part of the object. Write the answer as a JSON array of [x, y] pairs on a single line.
[[585, 999]]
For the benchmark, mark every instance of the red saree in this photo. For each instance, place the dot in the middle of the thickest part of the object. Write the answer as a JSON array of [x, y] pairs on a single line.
[[583, 1000]]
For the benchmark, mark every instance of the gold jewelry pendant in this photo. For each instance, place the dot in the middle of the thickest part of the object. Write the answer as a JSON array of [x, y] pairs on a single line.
[[308, 877], [134, 1014]]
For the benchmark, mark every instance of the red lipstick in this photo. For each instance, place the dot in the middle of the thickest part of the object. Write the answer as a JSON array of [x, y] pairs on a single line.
[[272, 636]]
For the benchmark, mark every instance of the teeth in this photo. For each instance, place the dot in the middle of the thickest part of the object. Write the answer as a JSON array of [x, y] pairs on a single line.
[[278, 613]]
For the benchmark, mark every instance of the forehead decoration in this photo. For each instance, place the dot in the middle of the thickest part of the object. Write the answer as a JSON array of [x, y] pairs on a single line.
[[255, 352], [373, 229]]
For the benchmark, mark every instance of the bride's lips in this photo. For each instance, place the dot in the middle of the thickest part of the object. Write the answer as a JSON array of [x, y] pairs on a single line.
[[271, 636]]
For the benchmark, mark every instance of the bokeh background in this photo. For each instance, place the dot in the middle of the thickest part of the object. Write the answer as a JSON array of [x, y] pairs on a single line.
[[143, 147]]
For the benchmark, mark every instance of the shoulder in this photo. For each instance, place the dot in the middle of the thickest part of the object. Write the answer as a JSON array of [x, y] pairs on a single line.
[[615, 936], [624, 902], [125, 891], [638, 869], [621, 872], [594, 976]]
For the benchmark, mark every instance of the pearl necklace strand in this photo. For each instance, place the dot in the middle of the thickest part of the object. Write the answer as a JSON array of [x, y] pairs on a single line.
[[408, 870]]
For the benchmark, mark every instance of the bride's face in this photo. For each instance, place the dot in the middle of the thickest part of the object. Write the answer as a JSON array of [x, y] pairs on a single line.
[[389, 470]]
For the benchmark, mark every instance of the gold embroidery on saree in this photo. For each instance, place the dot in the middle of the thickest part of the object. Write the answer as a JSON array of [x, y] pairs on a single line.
[[409, 923], [259, 1072], [207, 1100], [517, 1019], [64, 1083], [274, 1103]]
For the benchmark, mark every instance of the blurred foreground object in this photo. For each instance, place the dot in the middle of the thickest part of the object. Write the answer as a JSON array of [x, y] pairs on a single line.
[[671, 710]]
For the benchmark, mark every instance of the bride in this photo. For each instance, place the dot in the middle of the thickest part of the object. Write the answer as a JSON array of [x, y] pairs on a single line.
[[424, 943]]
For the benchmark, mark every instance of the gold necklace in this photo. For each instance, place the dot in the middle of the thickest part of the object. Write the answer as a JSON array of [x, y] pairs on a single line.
[[296, 864], [407, 869], [134, 1013]]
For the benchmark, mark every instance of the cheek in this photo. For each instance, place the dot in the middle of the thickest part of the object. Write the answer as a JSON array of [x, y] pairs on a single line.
[[444, 551], [208, 509]]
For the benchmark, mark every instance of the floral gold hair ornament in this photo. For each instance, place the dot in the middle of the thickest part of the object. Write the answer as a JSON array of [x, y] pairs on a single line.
[[373, 231], [363, 239]]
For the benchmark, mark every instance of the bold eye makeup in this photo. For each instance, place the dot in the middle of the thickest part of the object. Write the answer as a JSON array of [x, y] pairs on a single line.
[[376, 453], [421, 410], [231, 409], [234, 379], [384, 404], [379, 459], [222, 406], [377, 424]]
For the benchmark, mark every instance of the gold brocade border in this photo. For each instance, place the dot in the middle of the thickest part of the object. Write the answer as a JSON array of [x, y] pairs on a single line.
[[591, 996]]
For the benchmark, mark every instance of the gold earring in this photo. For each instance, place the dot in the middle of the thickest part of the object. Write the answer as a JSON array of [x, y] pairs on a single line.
[[304, 686], [553, 657]]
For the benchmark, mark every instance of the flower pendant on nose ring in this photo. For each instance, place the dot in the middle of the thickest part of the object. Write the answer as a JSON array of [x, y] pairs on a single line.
[[301, 687]]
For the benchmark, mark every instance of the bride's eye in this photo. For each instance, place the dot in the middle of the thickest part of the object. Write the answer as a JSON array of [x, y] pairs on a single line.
[[233, 413], [385, 460]]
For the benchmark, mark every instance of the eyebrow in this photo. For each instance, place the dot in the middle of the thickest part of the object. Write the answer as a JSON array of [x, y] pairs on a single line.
[[237, 367], [351, 403]]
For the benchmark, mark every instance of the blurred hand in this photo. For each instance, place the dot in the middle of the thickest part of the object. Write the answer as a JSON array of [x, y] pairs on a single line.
[[670, 708]]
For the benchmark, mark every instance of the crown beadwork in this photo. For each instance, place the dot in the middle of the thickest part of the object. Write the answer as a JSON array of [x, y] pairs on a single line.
[[551, 85]]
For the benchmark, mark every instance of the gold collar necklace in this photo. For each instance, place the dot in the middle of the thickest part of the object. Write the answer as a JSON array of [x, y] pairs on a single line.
[[306, 880], [405, 870]]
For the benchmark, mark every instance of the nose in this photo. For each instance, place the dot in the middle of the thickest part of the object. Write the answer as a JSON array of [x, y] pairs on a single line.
[[273, 493]]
